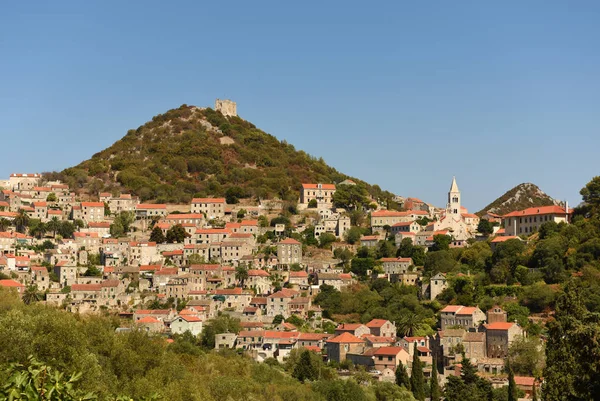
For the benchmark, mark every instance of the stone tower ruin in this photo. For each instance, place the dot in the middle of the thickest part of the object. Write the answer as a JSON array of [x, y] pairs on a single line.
[[226, 107]]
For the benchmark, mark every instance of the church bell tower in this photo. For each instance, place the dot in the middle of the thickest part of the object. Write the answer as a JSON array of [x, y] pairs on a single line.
[[453, 207]]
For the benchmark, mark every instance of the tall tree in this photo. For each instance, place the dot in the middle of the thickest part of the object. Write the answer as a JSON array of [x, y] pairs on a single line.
[[305, 369], [435, 392], [241, 274], [512, 386], [572, 350], [417, 379], [402, 378], [53, 225], [21, 220]]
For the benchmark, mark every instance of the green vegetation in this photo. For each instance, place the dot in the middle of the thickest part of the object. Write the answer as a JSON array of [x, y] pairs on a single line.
[[48, 354], [178, 155]]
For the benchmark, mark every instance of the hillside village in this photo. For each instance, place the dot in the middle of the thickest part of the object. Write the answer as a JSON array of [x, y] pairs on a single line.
[[171, 268]]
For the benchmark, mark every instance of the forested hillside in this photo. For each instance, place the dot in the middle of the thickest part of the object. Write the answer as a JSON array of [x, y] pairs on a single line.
[[190, 151]]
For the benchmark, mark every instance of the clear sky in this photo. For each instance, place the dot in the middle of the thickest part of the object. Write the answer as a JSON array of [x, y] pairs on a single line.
[[402, 94]]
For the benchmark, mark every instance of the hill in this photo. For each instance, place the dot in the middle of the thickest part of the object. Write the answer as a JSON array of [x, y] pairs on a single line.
[[520, 197], [195, 152]]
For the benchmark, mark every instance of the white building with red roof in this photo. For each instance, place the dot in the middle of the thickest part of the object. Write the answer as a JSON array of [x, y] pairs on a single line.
[[453, 316], [322, 193], [529, 220]]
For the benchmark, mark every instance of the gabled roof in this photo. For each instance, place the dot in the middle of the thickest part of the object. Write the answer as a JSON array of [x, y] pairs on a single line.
[[389, 351], [208, 200], [289, 241], [499, 326], [10, 283], [376, 323], [149, 319], [316, 186], [346, 338], [534, 211]]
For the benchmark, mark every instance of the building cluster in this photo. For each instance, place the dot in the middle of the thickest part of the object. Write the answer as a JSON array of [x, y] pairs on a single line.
[[220, 266]]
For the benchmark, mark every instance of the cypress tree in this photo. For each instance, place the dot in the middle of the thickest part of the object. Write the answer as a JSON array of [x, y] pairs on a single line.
[[434, 385], [512, 386], [402, 376], [417, 380], [534, 392]]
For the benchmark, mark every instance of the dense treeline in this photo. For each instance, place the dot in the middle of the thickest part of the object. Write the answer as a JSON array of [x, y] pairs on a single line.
[[97, 362], [178, 155]]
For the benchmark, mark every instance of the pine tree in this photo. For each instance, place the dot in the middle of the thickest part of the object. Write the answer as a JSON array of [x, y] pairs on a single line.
[[512, 386], [417, 380], [402, 376], [434, 385]]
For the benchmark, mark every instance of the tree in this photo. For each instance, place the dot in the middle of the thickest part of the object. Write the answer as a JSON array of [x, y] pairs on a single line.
[[402, 379], [241, 274], [37, 228], [441, 242], [4, 224], [38, 382], [417, 380], [350, 197], [241, 213], [176, 234], [32, 295], [572, 352], [305, 369], [485, 227], [117, 230], [512, 386], [157, 235], [234, 194], [220, 324], [326, 239], [353, 235], [469, 386], [591, 194], [195, 259], [66, 229], [53, 225], [21, 220], [126, 219], [312, 204], [435, 392], [51, 197], [526, 355]]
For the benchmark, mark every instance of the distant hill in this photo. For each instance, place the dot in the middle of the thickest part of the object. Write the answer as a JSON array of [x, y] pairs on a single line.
[[520, 197], [191, 151]]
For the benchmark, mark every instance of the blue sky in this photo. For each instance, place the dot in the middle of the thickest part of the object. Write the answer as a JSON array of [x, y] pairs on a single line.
[[402, 94]]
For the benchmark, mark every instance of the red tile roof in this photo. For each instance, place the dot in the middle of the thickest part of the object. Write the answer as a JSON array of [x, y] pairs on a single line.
[[289, 241], [388, 351], [316, 186], [208, 200], [346, 338], [534, 211], [92, 204], [499, 326]]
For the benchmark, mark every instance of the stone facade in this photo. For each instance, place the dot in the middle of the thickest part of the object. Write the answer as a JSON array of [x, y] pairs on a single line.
[[227, 107]]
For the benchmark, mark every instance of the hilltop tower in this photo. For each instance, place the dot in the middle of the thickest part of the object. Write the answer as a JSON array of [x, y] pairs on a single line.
[[227, 107], [453, 207]]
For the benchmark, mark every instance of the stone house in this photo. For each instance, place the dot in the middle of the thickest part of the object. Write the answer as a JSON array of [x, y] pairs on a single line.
[[345, 343], [382, 328], [390, 357], [453, 316], [212, 208], [92, 211], [289, 251], [355, 329], [499, 336], [259, 280], [322, 193]]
